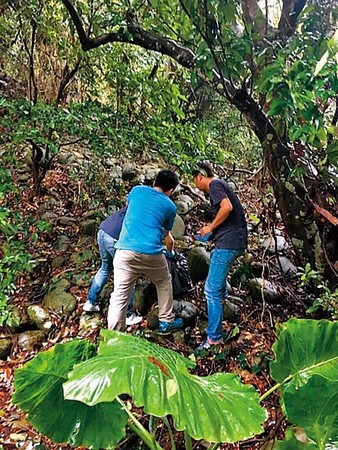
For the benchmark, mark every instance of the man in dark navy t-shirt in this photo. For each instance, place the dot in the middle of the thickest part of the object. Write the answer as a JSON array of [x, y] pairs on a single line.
[[107, 236], [228, 230]]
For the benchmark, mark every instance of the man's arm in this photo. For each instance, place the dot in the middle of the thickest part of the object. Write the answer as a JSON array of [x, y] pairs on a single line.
[[169, 241], [223, 213]]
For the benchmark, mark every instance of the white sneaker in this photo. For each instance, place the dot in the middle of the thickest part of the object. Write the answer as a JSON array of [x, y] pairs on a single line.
[[89, 307], [133, 319]]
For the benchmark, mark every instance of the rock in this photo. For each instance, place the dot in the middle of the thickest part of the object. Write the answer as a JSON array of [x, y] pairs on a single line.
[[129, 171], [49, 216], [88, 227], [59, 300], [179, 337], [20, 320], [89, 322], [31, 340], [231, 311], [270, 291], [269, 243], [91, 214], [59, 261], [198, 262], [184, 203], [152, 318], [186, 310], [178, 228], [62, 243], [80, 257], [67, 221], [5, 347], [288, 268], [145, 296], [115, 173], [39, 317], [150, 174]]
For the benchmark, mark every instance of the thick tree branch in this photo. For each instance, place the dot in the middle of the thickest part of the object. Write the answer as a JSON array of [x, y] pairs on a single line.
[[290, 13], [134, 34]]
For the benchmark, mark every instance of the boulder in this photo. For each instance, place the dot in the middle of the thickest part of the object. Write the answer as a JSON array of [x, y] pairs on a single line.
[[39, 317], [270, 291], [288, 268], [152, 318], [67, 221], [88, 227], [49, 216], [184, 203], [5, 347], [144, 297], [31, 340], [270, 244], [59, 300], [129, 171], [59, 261], [62, 243], [198, 262], [186, 310], [178, 228]]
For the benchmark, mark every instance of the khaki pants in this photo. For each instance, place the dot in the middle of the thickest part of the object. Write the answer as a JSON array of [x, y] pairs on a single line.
[[128, 266]]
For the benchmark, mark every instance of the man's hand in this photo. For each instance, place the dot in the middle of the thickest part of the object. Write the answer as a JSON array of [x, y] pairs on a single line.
[[205, 230]]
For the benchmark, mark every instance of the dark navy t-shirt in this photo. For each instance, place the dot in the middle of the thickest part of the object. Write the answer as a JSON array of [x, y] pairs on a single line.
[[113, 224], [232, 233]]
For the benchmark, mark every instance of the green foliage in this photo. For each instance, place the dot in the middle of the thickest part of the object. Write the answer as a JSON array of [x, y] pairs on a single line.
[[216, 408], [14, 258], [327, 298], [38, 391], [306, 368], [308, 275]]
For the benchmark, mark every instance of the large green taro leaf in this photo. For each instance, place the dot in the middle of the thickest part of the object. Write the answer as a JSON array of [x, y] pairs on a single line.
[[38, 391], [314, 407], [217, 408], [306, 365], [304, 348]]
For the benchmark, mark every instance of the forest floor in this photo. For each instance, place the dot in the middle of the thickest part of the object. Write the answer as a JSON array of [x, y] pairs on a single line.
[[246, 352]]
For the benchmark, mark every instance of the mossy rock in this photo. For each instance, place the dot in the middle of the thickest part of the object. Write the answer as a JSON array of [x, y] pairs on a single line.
[[198, 262]]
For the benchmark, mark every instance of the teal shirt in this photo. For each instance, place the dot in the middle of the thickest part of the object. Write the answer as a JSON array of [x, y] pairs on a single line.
[[149, 214]]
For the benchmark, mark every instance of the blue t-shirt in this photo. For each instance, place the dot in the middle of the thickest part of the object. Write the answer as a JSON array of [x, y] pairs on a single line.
[[150, 213]]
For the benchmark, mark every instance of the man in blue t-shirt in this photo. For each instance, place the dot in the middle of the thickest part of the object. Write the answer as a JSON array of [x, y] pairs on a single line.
[[107, 236], [228, 231], [139, 251]]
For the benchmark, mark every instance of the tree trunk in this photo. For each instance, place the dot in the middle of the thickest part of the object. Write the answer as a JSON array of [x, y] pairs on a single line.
[[305, 230]]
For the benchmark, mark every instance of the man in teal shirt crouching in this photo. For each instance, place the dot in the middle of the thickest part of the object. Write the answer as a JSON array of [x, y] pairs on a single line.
[[139, 251]]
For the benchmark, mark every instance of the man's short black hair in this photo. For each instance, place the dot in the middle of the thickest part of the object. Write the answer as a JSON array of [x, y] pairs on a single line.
[[203, 168], [166, 180]]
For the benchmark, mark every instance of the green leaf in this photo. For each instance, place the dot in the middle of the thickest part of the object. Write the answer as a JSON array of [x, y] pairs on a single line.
[[216, 408], [307, 366], [38, 391], [295, 439], [306, 347], [315, 408]]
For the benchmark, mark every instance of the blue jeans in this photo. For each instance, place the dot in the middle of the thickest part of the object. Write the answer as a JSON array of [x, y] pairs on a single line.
[[107, 250], [216, 288]]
